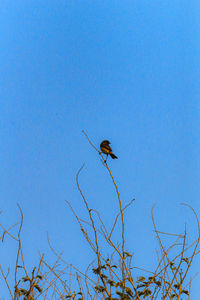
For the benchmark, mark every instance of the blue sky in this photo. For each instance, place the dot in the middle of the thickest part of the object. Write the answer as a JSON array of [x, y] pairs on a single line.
[[126, 71]]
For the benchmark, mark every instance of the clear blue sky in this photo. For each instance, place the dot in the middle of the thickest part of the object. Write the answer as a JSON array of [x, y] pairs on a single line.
[[127, 71]]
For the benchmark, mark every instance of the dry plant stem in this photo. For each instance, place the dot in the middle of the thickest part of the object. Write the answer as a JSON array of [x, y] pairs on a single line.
[[20, 248], [178, 268], [115, 222], [162, 270], [51, 284], [60, 272], [45, 276], [49, 273], [183, 250], [189, 289], [95, 233], [5, 278], [38, 271], [80, 286], [166, 273], [121, 212], [53, 294], [197, 241], [87, 223], [123, 230], [104, 227], [178, 254], [122, 218], [86, 283], [56, 254], [35, 280], [161, 245], [127, 270], [181, 260], [189, 283], [105, 235], [82, 228], [167, 233], [31, 289], [7, 231], [57, 276], [142, 269]]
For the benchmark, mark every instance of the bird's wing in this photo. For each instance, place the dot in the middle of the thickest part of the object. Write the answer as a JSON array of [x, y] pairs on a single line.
[[107, 147]]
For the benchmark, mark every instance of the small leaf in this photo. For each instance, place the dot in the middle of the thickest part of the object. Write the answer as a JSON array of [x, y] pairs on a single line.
[[114, 266], [119, 293], [38, 288], [120, 283], [176, 286], [99, 288], [104, 276], [96, 271], [129, 291], [141, 285], [141, 278], [147, 292], [151, 277], [23, 291], [17, 291], [186, 260], [173, 295], [185, 292], [26, 278], [127, 254], [107, 264], [158, 283], [111, 282]]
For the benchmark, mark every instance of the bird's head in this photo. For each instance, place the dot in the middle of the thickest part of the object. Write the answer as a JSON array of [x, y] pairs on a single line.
[[106, 142]]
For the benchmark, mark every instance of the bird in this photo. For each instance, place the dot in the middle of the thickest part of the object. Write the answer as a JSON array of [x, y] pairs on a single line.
[[106, 149]]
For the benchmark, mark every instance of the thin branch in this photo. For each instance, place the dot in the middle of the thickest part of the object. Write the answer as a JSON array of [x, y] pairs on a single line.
[[95, 232], [119, 215], [7, 231], [121, 211], [5, 278], [19, 248]]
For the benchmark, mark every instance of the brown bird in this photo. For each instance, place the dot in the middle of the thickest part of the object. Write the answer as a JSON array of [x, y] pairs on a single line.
[[106, 149]]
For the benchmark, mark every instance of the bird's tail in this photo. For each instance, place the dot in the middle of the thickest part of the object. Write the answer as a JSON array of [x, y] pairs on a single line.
[[113, 155]]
